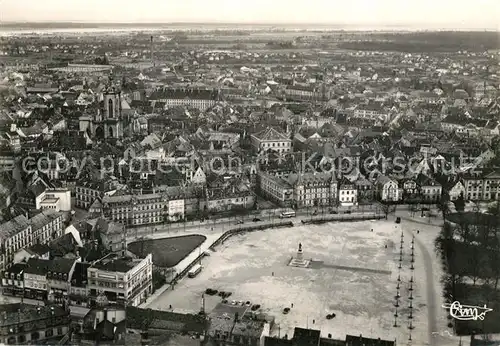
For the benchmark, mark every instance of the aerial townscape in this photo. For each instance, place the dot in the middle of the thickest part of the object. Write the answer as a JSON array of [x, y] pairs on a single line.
[[264, 185]]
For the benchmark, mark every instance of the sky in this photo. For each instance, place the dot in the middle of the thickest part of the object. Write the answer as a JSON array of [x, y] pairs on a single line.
[[457, 14]]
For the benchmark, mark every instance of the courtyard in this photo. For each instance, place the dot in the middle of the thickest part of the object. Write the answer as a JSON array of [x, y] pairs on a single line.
[[167, 252], [353, 274]]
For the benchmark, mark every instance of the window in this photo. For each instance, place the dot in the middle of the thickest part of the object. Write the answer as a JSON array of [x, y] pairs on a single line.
[[59, 331], [110, 108], [49, 333]]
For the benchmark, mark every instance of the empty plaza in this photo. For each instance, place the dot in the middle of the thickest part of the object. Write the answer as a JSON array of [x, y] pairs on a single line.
[[352, 274]]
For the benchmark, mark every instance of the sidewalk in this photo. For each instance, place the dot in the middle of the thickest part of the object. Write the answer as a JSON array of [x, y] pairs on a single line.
[[429, 221], [205, 246], [262, 214]]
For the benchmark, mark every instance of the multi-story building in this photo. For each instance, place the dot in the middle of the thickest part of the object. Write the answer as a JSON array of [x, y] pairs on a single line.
[[13, 280], [302, 336], [228, 193], [276, 189], [387, 189], [122, 279], [305, 93], [83, 68], [313, 189], [135, 210], [456, 191], [14, 235], [58, 199], [59, 274], [7, 161], [113, 235], [235, 325], [348, 194], [193, 97], [176, 209], [372, 111], [271, 139], [79, 294], [482, 187], [300, 190], [365, 189], [31, 325], [21, 232], [86, 192], [35, 278], [430, 189], [45, 226], [410, 189]]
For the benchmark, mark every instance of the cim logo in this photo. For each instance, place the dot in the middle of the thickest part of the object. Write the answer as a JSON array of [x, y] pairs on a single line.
[[467, 312]]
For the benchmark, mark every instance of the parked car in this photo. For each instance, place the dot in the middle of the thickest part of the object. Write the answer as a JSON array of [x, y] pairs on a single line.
[[255, 307], [286, 311], [347, 212], [256, 219], [398, 220], [211, 292], [333, 211], [239, 222], [330, 316]]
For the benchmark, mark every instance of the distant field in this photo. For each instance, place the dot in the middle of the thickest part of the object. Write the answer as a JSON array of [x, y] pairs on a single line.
[[167, 252], [428, 42]]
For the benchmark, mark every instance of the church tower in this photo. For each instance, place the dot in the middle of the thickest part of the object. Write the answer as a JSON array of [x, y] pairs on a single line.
[[112, 113]]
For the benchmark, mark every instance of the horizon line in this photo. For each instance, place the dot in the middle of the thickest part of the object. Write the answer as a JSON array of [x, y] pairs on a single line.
[[215, 22]]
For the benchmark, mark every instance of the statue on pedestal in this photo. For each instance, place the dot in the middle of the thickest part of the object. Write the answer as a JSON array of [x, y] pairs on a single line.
[[300, 247]]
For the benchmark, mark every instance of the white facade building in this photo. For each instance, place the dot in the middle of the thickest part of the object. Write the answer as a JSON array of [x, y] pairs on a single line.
[[176, 209], [54, 199], [122, 279]]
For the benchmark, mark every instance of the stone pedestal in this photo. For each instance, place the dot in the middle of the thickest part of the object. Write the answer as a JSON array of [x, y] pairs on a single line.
[[298, 260]]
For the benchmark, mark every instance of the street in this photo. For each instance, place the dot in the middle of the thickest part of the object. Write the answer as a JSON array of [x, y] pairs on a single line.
[[225, 224]]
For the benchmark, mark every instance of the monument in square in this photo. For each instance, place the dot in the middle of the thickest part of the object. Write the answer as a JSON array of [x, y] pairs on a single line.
[[298, 260]]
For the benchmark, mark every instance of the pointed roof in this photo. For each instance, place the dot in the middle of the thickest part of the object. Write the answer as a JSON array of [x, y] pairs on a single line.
[[96, 204], [270, 134]]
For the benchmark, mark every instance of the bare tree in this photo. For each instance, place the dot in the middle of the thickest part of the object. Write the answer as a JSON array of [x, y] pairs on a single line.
[[475, 263], [446, 247], [460, 203], [464, 230], [493, 244], [443, 206], [387, 209]]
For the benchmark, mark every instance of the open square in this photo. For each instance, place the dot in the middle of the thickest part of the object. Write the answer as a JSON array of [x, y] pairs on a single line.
[[352, 274], [167, 252]]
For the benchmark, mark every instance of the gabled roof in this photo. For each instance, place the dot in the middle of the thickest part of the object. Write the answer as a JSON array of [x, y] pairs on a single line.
[[37, 266], [13, 227], [270, 134], [61, 265]]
